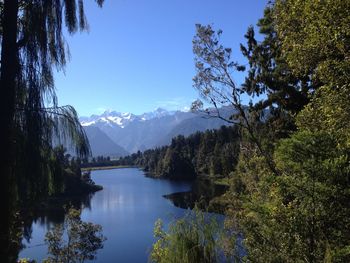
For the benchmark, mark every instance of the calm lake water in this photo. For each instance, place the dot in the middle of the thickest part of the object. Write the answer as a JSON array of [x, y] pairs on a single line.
[[127, 209]]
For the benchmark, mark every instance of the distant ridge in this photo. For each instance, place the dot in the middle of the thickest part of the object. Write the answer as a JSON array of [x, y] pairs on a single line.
[[101, 144], [149, 130]]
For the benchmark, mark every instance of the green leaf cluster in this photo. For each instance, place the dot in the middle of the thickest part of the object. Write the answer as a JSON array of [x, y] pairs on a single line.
[[192, 238], [302, 214], [315, 38], [289, 194], [83, 240]]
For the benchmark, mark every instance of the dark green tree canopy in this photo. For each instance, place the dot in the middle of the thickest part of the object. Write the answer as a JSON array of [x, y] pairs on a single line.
[[269, 74], [32, 123]]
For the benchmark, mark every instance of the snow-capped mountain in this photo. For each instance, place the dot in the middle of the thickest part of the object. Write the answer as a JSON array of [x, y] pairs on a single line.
[[110, 118], [114, 118], [158, 113], [149, 130]]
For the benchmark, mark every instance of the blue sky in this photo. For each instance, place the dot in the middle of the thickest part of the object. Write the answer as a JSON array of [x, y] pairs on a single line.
[[137, 55]]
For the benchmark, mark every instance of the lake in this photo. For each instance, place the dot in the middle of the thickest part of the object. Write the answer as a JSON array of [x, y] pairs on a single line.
[[126, 208]]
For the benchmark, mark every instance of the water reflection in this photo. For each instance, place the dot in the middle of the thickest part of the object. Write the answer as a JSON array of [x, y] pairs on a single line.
[[202, 192], [47, 214], [126, 208]]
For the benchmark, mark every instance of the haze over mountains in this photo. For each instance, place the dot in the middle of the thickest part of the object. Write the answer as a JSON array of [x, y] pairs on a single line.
[[117, 134]]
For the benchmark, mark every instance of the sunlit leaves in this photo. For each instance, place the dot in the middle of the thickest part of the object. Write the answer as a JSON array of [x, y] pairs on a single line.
[[315, 38], [192, 238]]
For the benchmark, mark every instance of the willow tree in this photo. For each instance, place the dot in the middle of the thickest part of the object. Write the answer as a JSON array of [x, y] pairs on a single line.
[[32, 46]]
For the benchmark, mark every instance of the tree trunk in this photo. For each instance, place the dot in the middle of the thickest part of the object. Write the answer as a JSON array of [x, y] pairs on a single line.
[[9, 69]]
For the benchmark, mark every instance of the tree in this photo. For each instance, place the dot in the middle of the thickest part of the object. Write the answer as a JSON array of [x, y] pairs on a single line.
[[283, 92], [83, 240], [300, 215], [208, 153], [314, 189], [32, 43], [215, 84], [315, 38], [190, 239], [303, 213]]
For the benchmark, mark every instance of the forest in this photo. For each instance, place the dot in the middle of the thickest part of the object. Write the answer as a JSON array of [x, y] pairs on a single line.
[[289, 192], [213, 152], [285, 156]]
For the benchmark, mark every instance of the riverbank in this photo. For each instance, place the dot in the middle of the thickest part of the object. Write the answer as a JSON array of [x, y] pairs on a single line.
[[207, 192], [97, 168]]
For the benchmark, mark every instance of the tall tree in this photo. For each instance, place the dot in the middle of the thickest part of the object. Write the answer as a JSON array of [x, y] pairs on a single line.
[[303, 214], [269, 73], [7, 102], [32, 44], [215, 83], [315, 38]]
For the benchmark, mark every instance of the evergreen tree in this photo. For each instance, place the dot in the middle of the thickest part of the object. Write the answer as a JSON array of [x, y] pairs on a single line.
[[269, 74], [185, 158]]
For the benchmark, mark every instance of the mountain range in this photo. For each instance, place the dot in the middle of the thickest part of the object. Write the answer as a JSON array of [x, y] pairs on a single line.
[[117, 134]]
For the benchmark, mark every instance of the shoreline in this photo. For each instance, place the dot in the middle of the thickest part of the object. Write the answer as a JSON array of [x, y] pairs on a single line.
[[97, 168]]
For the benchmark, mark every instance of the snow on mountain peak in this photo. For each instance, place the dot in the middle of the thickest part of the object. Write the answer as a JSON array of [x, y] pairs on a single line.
[[113, 118], [87, 123]]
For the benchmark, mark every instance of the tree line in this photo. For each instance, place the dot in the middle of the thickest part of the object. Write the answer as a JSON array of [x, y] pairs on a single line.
[[213, 152]]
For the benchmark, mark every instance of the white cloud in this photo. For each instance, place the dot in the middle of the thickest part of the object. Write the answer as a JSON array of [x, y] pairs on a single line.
[[177, 103], [186, 108], [100, 110]]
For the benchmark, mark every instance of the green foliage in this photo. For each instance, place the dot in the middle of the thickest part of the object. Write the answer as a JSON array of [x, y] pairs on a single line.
[[83, 240], [213, 152], [314, 187], [189, 239], [289, 197], [315, 38], [269, 74], [214, 81], [292, 205], [32, 122], [26, 260], [300, 215], [329, 111]]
